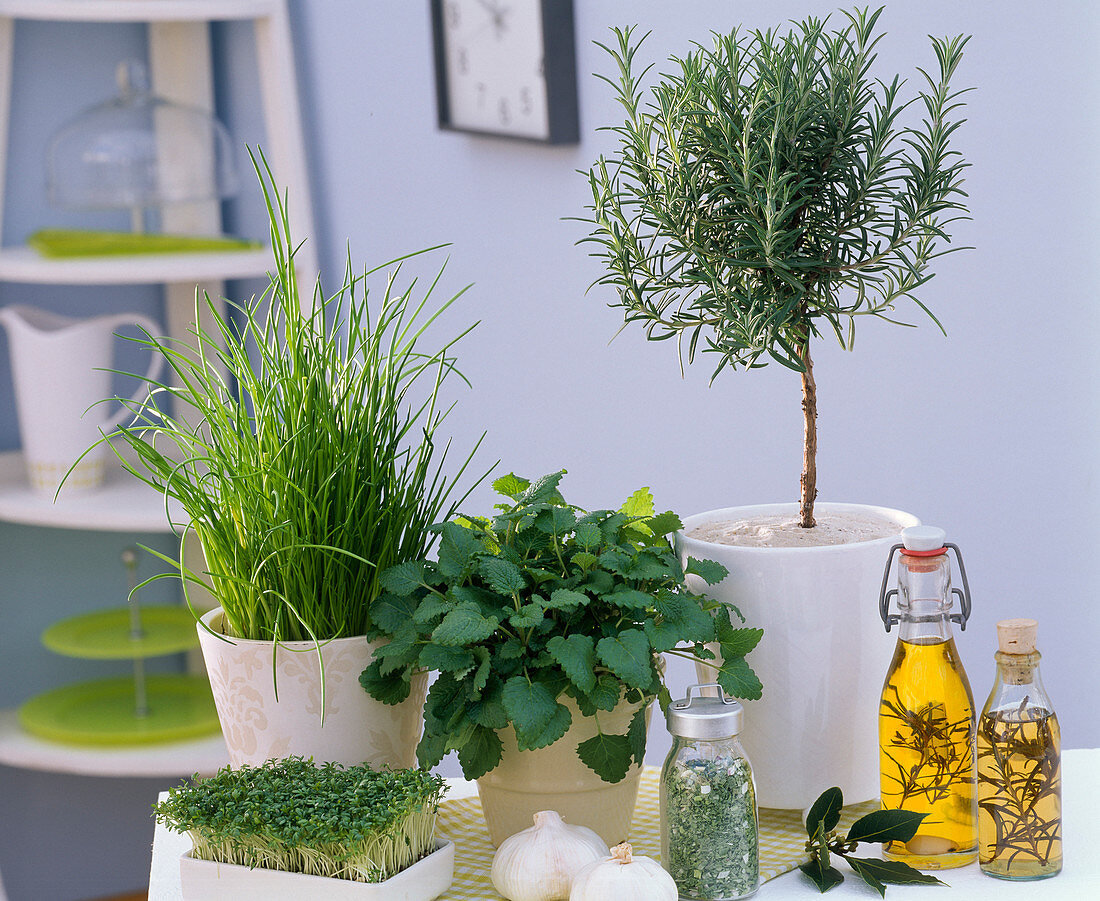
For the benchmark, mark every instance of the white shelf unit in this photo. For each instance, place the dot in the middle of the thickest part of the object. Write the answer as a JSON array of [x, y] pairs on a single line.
[[178, 43], [204, 756], [21, 264]]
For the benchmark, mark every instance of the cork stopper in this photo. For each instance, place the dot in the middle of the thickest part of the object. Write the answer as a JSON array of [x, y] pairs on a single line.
[[1017, 636]]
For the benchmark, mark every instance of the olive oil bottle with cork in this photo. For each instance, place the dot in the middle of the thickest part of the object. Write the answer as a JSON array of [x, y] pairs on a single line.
[[1019, 765], [926, 712]]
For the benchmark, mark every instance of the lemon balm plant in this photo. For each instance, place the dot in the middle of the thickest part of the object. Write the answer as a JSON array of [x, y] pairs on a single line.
[[546, 624], [302, 441]]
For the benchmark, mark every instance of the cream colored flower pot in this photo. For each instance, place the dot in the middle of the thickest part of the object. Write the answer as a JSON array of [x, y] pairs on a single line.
[[555, 778], [822, 660], [257, 727]]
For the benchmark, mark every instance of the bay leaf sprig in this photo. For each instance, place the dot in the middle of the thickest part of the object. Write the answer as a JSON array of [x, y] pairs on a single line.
[[541, 604], [878, 826]]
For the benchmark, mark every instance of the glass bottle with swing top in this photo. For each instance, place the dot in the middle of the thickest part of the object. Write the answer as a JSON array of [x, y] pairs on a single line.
[[926, 713]]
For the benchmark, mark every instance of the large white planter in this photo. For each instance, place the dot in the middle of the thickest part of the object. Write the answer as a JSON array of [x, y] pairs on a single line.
[[257, 726], [822, 660]]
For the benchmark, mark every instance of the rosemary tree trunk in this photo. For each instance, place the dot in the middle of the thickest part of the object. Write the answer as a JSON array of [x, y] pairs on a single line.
[[809, 445]]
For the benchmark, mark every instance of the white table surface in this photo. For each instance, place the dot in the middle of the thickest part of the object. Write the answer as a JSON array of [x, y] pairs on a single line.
[[1078, 881]]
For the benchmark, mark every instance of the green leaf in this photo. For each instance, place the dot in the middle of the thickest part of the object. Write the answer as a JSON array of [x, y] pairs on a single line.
[[457, 549], [737, 679], [529, 705], [511, 486], [576, 655], [544, 490], [710, 572], [824, 878], [446, 659], [489, 713], [502, 575], [608, 756], [738, 642], [566, 599], [629, 598], [588, 535], [824, 814], [400, 651], [555, 729], [639, 504], [432, 748], [404, 578], [431, 607], [878, 873], [682, 619], [480, 753], [444, 704], [605, 696], [391, 612], [636, 734], [528, 616], [886, 826], [476, 683], [663, 523], [389, 689], [584, 561], [464, 625], [628, 655]]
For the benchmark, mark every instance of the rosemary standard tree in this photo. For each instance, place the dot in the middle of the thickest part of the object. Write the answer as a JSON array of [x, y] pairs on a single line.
[[768, 191]]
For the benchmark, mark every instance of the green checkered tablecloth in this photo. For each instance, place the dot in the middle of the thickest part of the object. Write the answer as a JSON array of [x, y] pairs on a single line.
[[782, 838]]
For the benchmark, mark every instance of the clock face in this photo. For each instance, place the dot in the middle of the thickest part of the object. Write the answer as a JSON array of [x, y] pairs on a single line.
[[493, 57]]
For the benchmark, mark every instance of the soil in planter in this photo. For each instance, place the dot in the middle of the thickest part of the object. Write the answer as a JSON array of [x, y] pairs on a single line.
[[783, 530]]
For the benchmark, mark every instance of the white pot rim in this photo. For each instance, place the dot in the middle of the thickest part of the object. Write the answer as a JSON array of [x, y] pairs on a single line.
[[900, 517], [211, 619]]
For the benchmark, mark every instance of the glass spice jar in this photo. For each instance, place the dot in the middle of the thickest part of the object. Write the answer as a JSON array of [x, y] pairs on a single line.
[[709, 826]]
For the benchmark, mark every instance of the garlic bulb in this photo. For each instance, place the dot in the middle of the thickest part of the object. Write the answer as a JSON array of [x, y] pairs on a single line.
[[623, 876], [538, 864]]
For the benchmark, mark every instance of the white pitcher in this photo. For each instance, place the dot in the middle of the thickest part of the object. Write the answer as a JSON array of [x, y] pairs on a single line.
[[59, 367]]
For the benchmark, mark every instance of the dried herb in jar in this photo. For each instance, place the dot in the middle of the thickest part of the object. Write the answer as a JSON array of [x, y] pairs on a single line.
[[710, 810]]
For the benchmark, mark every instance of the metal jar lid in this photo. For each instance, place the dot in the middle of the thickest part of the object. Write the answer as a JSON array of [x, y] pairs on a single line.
[[705, 717]]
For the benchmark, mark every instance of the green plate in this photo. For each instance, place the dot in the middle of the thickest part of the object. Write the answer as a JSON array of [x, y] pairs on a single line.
[[102, 712], [105, 634]]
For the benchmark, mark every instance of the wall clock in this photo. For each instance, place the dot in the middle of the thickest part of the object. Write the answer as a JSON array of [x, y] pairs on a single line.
[[507, 68]]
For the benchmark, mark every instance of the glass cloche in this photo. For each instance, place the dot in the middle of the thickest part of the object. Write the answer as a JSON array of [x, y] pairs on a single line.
[[139, 151]]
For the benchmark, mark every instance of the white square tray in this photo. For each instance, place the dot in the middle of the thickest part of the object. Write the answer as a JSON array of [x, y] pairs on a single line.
[[206, 880]]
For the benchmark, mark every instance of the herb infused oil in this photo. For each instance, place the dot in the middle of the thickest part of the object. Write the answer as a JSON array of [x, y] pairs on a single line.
[[1019, 765], [926, 713]]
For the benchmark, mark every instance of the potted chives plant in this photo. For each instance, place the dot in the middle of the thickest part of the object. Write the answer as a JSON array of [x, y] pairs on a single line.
[[766, 191], [547, 624], [303, 445]]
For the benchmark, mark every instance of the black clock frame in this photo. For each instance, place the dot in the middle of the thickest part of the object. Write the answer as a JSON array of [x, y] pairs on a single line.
[[559, 67]]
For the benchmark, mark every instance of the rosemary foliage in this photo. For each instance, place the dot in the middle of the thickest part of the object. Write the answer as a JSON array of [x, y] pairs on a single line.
[[1020, 788], [541, 603], [765, 190], [931, 755], [302, 444], [346, 823]]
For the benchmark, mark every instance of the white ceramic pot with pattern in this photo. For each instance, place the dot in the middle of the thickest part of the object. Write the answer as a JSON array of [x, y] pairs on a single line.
[[257, 727]]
